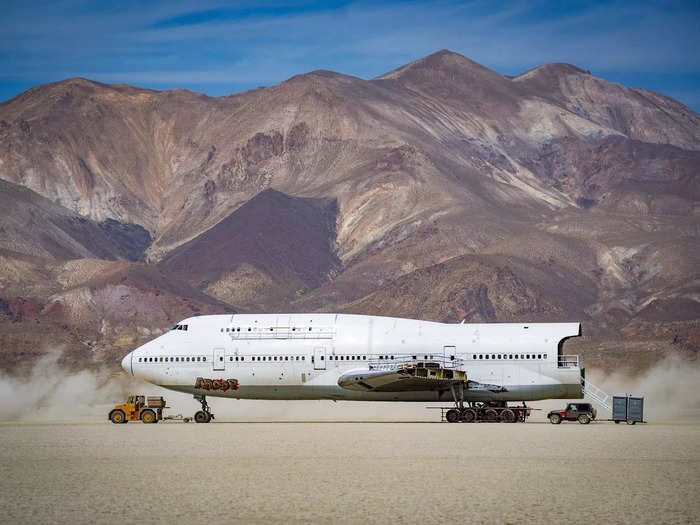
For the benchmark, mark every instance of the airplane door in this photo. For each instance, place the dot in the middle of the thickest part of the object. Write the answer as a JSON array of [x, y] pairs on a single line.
[[219, 363], [449, 353], [319, 358]]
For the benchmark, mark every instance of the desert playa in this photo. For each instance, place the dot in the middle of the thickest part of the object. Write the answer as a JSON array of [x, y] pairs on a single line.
[[374, 472]]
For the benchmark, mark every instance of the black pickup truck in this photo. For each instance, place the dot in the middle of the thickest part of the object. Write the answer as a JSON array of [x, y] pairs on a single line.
[[584, 413]]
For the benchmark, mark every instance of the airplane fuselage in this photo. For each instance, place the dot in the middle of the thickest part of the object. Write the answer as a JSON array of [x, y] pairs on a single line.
[[302, 356]]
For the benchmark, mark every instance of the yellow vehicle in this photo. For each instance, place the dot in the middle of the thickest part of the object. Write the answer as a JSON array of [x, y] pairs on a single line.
[[138, 408]]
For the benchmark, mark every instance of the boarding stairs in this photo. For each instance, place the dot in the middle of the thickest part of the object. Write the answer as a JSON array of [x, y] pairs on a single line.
[[596, 394]]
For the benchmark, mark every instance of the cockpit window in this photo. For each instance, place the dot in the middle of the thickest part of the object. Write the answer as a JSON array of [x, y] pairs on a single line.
[[179, 327]]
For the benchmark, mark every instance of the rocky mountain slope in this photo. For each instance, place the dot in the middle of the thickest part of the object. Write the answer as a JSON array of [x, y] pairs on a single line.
[[441, 190]]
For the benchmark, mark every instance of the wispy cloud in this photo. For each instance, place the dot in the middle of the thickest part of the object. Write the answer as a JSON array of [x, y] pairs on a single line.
[[222, 46]]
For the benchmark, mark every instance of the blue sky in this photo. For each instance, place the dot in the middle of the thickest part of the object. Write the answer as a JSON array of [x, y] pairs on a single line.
[[223, 47]]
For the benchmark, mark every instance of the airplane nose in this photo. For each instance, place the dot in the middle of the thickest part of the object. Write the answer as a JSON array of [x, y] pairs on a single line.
[[126, 364]]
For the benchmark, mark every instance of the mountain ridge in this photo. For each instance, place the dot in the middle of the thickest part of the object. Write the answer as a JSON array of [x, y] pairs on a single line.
[[441, 188]]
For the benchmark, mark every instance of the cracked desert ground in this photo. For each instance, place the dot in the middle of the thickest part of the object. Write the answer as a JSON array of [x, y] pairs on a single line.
[[349, 472]]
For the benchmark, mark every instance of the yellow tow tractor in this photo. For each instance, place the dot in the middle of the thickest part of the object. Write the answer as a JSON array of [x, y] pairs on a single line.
[[138, 408]]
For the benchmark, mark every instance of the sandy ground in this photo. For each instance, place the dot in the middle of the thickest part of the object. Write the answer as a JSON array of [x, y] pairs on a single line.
[[349, 473]]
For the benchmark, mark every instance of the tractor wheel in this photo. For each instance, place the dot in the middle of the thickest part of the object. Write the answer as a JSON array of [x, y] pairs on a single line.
[[508, 416], [452, 415], [555, 419], [491, 415], [201, 417], [584, 419], [468, 415], [117, 416], [149, 416]]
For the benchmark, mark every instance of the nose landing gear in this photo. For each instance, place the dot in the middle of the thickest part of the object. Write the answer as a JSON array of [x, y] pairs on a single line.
[[204, 415]]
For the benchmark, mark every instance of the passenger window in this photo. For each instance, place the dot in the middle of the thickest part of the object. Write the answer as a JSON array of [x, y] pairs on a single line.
[[242, 358], [545, 356], [364, 357], [481, 356], [204, 358], [487, 356], [139, 359], [303, 358], [231, 358], [188, 359], [221, 358], [222, 329], [238, 329], [199, 358], [539, 356]]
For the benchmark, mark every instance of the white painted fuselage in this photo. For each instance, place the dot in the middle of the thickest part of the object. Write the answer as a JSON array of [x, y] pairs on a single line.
[[301, 356]]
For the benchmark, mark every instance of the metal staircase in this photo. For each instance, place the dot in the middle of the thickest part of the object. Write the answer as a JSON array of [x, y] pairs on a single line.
[[596, 394]]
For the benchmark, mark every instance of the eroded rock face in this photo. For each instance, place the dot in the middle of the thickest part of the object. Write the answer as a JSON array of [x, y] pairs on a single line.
[[441, 190]]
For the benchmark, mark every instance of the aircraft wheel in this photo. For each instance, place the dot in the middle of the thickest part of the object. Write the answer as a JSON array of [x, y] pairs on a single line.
[[201, 417], [491, 415], [452, 415], [149, 416], [508, 416], [117, 416], [555, 419], [468, 415], [584, 419]]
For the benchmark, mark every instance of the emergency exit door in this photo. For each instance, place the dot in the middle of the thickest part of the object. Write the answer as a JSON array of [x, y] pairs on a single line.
[[219, 363], [319, 358]]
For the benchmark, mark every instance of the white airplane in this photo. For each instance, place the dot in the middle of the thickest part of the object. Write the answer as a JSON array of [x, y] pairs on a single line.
[[360, 358]]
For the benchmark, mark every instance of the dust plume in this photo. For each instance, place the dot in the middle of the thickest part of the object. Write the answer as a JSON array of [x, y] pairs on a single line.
[[51, 392], [671, 388]]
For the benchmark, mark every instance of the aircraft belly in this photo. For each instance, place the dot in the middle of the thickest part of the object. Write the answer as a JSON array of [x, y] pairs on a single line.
[[308, 392]]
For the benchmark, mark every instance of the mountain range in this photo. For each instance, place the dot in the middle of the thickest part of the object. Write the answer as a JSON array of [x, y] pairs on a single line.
[[441, 190]]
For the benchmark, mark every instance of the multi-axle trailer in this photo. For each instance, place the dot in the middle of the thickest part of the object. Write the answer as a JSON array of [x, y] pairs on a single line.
[[490, 412]]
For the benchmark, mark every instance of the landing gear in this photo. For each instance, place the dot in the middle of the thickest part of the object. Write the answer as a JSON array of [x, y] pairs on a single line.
[[204, 415]]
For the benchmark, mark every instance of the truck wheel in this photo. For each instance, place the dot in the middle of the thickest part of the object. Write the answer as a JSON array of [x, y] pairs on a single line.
[[584, 419], [149, 416], [617, 421], [117, 416], [631, 421], [491, 415], [555, 419], [508, 416], [468, 415], [452, 415], [201, 417]]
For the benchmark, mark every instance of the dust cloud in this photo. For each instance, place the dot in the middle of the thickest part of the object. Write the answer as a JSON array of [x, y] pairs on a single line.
[[52, 393], [671, 388]]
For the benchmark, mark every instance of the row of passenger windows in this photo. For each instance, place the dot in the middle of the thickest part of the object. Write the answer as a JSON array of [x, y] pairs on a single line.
[[250, 329], [509, 356], [269, 358], [172, 359]]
